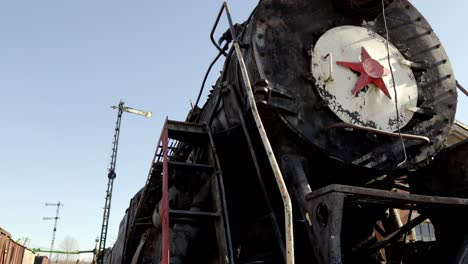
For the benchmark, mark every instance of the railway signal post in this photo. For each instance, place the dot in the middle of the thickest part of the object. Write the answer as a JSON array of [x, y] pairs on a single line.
[[56, 218], [111, 174]]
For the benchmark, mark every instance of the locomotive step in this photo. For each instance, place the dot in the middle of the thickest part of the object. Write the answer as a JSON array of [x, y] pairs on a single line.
[[187, 132], [192, 214], [176, 165]]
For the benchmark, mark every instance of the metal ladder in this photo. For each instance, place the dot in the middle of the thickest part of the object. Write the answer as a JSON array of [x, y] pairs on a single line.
[[195, 137]]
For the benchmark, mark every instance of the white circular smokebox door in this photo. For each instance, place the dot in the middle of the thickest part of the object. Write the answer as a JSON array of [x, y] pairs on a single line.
[[369, 107]]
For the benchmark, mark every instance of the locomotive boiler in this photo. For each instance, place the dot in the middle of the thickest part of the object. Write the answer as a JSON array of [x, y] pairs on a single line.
[[310, 147]]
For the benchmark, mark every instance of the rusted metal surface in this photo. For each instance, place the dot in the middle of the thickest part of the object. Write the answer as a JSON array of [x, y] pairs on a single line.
[[4, 240], [328, 205], [10, 251], [396, 198], [395, 235]]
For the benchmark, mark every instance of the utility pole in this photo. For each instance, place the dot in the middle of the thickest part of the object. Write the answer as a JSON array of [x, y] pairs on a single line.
[[56, 218], [111, 174]]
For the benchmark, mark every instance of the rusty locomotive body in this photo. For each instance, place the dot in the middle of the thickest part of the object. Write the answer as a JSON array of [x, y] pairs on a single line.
[[356, 97]]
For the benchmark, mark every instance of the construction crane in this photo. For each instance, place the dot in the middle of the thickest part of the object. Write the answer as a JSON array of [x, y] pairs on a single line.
[[111, 175], [56, 218]]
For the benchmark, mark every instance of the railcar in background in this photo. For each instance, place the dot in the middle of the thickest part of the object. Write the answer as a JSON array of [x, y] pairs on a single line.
[[12, 252]]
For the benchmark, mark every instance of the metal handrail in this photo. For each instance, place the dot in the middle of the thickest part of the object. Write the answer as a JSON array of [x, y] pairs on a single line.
[[288, 221], [165, 256], [379, 132], [162, 145]]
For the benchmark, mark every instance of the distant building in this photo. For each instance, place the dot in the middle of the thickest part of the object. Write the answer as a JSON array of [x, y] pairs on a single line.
[[459, 132]]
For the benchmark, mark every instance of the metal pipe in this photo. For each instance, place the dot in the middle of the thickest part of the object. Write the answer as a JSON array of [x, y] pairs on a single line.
[[206, 77], [266, 142], [221, 51], [462, 88], [379, 132]]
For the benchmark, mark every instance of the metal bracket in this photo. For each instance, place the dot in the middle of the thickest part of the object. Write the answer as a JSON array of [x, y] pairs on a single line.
[[416, 65], [329, 56], [425, 111], [325, 219], [275, 97]]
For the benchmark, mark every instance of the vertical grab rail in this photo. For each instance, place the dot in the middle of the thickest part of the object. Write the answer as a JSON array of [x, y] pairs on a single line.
[[165, 256], [289, 236], [219, 177]]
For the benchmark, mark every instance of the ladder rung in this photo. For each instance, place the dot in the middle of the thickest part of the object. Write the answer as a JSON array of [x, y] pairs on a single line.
[[186, 166], [192, 214]]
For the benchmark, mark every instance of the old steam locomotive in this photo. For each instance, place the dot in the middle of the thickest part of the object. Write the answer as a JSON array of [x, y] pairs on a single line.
[[314, 146]]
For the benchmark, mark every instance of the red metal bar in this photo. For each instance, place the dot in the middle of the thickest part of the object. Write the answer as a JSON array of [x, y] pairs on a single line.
[[165, 200], [161, 143], [149, 178]]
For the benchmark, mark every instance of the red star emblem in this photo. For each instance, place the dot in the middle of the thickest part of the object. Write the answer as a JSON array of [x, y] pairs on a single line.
[[371, 71]]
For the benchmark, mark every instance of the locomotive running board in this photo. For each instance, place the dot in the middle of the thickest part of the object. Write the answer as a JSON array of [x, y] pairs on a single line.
[[328, 204]]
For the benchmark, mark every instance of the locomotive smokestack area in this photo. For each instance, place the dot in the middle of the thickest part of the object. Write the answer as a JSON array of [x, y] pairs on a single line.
[[322, 141]]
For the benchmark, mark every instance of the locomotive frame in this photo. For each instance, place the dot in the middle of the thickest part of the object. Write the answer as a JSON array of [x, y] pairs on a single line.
[[330, 217]]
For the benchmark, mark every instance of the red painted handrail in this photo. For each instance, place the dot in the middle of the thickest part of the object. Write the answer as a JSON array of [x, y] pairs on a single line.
[[165, 256], [162, 144]]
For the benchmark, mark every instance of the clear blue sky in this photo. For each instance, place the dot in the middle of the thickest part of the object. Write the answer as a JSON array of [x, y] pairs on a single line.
[[63, 63]]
